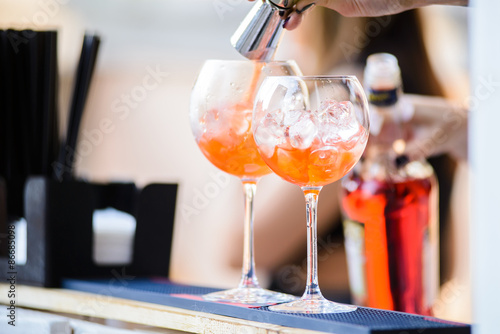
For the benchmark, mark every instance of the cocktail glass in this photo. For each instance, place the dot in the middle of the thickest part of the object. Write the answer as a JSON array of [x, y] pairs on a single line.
[[221, 114], [311, 131]]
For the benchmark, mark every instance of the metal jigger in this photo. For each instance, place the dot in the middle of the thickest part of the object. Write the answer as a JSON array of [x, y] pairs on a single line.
[[260, 32]]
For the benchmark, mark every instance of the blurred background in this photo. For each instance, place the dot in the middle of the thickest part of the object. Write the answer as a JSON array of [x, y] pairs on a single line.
[[161, 44], [150, 54]]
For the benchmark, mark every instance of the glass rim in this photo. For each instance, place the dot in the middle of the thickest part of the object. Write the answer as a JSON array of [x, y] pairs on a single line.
[[312, 77], [249, 61]]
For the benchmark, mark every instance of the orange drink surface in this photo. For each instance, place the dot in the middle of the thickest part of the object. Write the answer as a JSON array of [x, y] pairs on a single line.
[[315, 166], [227, 141]]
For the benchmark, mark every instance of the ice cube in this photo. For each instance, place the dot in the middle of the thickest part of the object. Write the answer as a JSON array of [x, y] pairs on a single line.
[[277, 115], [341, 112], [291, 116], [210, 117], [211, 123], [303, 132], [329, 131], [338, 122], [267, 135], [294, 102], [328, 105], [325, 156], [237, 119], [349, 143], [227, 124], [359, 138]]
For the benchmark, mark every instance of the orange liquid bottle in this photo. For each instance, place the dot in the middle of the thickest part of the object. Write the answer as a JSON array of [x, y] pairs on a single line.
[[390, 208]]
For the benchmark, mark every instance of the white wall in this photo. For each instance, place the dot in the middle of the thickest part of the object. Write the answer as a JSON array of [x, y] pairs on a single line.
[[485, 162]]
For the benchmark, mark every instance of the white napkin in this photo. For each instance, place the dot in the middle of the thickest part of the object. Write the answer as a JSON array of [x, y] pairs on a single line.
[[114, 232]]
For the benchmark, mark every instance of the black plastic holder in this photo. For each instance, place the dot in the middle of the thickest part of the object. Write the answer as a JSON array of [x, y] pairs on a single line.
[[60, 230]]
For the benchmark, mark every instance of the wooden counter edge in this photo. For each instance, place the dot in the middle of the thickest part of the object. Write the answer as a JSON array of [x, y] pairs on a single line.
[[107, 307]]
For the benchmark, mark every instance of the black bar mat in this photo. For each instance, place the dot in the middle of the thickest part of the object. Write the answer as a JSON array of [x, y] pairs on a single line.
[[362, 321]]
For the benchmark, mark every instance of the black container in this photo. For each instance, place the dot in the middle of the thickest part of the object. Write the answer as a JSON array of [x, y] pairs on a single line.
[[60, 230]]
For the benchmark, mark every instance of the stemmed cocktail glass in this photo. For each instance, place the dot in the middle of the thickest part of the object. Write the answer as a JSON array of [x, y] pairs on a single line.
[[221, 114], [311, 131]]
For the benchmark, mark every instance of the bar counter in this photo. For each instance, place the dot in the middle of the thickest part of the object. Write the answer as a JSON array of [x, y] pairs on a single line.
[[162, 304]]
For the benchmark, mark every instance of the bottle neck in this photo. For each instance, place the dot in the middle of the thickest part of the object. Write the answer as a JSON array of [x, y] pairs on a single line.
[[387, 118], [390, 129]]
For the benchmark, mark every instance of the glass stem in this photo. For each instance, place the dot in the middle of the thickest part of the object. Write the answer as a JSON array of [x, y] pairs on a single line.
[[312, 288], [248, 276]]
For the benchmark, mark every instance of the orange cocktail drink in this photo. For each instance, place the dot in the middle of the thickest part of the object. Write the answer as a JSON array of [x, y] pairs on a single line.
[[314, 166], [311, 131], [228, 143], [311, 150], [221, 120]]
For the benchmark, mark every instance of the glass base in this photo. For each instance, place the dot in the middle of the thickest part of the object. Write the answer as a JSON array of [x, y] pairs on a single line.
[[313, 306], [251, 296]]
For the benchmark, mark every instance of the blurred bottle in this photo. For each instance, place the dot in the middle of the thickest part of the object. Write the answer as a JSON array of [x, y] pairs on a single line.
[[390, 204]]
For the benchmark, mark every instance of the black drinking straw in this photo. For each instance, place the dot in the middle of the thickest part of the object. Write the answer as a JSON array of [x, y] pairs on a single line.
[[34, 68], [84, 74], [19, 135], [7, 103], [3, 112], [18, 148], [49, 92], [22, 135], [13, 168]]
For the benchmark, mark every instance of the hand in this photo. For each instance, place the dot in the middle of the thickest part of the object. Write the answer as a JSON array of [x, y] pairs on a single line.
[[362, 7], [438, 127]]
